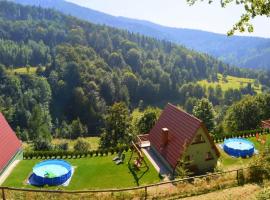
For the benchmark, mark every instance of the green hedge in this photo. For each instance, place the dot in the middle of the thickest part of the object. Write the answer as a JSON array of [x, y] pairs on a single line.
[[72, 154], [242, 134]]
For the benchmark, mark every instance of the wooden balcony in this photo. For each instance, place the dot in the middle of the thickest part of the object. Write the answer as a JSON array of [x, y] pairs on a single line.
[[143, 141]]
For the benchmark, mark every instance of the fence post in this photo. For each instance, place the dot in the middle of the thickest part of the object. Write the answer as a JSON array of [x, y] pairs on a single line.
[[3, 193], [237, 177], [240, 177], [145, 192]]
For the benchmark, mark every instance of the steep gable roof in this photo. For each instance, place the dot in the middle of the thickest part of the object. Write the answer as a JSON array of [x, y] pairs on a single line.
[[182, 129], [9, 143]]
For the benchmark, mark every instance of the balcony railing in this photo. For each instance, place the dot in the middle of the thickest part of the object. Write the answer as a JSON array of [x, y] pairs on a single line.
[[143, 141]]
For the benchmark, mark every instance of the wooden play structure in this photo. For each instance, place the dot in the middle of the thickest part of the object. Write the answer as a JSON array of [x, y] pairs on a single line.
[[137, 164], [137, 159]]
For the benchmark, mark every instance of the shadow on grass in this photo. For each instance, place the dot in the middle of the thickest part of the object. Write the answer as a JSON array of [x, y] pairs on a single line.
[[138, 173]]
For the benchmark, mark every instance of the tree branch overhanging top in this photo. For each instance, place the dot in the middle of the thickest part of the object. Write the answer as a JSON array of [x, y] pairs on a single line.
[[253, 8]]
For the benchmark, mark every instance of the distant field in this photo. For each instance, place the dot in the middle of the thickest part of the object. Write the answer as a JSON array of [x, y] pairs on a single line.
[[231, 82], [93, 141]]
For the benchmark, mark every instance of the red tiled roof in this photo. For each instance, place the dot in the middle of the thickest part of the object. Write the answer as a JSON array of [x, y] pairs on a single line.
[[182, 129], [9, 143]]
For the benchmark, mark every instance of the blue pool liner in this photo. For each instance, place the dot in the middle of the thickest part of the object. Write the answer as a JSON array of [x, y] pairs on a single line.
[[37, 180]]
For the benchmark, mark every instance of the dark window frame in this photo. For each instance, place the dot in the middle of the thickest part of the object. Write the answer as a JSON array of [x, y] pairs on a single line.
[[198, 141], [209, 156]]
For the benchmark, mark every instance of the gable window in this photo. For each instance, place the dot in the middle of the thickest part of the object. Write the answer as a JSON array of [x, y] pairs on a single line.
[[187, 158], [198, 139], [209, 156]]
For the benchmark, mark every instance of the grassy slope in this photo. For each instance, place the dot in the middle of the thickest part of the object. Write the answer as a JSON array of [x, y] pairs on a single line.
[[101, 167], [90, 173], [231, 82], [248, 191]]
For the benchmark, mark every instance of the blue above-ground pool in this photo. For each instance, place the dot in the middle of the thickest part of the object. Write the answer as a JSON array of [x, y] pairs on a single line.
[[238, 147], [51, 172]]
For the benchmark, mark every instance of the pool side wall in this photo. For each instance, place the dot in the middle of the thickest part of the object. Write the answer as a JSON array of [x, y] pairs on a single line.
[[236, 152], [56, 180]]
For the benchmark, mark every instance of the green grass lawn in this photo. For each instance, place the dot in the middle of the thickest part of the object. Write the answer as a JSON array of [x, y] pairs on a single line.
[[228, 162], [231, 82], [102, 172], [90, 173]]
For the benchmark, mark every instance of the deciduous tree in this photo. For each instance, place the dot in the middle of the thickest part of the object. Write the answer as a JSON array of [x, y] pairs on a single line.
[[117, 126], [204, 111]]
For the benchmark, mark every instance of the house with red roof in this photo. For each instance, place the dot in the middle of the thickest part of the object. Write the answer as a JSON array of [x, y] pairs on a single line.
[[265, 124], [178, 136], [10, 145]]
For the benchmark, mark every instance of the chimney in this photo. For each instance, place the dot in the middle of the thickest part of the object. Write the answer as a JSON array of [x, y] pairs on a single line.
[[165, 136]]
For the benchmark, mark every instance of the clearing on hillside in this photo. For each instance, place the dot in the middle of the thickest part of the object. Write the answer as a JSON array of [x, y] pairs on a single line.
[[24, 70], [231, 82]]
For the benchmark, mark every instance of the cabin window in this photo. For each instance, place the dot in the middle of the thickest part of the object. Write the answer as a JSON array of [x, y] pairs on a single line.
[[198, 139], [209, 156], [187, 158]]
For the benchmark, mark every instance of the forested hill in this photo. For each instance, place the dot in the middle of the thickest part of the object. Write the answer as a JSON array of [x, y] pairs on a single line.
[[248, 52], [87, 68]]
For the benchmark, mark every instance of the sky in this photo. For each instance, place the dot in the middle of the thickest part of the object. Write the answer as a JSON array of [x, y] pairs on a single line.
[[176, 13]]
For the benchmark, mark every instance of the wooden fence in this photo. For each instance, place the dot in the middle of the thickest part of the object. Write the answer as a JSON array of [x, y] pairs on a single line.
[[177, 188]]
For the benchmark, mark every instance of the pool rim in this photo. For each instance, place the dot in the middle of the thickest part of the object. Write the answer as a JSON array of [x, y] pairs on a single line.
[[239, 139], [40, 180], [239, 152]]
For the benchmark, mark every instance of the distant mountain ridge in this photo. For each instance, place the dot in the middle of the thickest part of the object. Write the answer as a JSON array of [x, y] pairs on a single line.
[[249, 52]]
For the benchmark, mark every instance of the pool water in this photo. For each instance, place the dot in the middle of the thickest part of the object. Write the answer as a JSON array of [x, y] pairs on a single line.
[[239, 145], [50, 170]]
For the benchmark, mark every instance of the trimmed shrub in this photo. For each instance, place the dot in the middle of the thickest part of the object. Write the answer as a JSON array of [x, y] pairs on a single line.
[[117, 149], [62, 146], [82, 145], [64, 154], [242, 134], [42, 145], [90, 153], [101, 152], [106, 152], [112, 151]]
